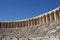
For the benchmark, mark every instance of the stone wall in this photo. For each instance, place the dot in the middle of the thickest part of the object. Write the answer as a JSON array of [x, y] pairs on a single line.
[[39, 20], [50, 31]]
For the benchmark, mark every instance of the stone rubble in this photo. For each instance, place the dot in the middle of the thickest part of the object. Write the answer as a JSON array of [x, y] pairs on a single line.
[[50, 31]]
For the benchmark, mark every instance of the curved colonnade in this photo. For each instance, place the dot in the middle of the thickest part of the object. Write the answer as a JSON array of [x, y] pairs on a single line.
[[39, 20]]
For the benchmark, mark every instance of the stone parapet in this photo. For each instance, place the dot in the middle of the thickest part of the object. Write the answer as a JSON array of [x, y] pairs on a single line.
[[48, 17]]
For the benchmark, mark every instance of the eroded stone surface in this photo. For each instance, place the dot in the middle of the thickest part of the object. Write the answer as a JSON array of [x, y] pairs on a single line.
[[49, 31]]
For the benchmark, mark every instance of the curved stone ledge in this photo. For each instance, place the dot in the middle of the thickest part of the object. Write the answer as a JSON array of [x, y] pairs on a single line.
[[48, 17]]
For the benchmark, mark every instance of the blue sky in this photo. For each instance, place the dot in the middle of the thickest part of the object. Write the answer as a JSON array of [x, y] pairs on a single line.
[[22, 9]]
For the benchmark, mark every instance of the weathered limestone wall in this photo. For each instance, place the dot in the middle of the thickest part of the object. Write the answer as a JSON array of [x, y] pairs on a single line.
[[46, 18], [50, 31]]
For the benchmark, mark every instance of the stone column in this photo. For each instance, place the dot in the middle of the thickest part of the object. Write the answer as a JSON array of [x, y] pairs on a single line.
[[26, 23], [4, 25], [56, 14], [1, 24], [44, 19], [20, 24], [11, 24], [59, 13], [8, 25], [33, 22], [37, 19], [14, 24], [47, 18], [30, 22], [52, 17], [23, 24], [40, 20]]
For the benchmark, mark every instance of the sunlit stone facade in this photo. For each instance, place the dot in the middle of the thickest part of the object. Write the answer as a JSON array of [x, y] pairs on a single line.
[[48, 17], [43, 27]]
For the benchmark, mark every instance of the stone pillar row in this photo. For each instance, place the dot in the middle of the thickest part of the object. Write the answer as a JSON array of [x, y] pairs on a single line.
[[47, 18]]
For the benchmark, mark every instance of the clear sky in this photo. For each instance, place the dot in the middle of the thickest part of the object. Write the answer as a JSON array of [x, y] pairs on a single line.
[[22, 9]]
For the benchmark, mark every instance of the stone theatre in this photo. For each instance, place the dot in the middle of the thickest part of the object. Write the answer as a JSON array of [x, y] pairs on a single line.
[[42, 27]]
